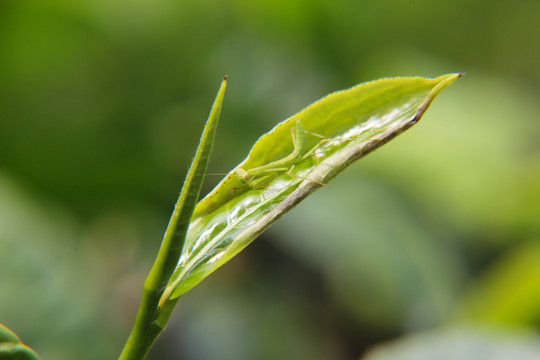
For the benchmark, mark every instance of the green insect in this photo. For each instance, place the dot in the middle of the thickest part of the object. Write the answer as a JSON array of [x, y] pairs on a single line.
[[258, 177]]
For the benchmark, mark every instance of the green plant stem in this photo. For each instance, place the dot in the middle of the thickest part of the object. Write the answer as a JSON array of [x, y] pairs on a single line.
[[152, 319], [145, 331], [147, 326]]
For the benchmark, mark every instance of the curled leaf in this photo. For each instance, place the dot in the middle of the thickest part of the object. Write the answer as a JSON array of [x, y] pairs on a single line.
[[279, 172]]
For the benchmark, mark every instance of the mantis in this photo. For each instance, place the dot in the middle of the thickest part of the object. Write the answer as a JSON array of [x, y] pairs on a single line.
[[259, 176]]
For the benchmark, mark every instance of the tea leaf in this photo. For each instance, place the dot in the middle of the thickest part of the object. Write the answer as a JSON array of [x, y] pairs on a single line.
[[353, 122]]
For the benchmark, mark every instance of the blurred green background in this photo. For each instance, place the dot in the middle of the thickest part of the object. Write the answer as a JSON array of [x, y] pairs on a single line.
[[438, 233]]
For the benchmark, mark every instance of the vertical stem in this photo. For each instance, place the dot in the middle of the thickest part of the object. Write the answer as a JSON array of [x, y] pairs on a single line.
[[146, 329], [151, 319]]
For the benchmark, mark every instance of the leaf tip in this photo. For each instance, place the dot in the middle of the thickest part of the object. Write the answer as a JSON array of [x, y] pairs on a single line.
[[442, 83]]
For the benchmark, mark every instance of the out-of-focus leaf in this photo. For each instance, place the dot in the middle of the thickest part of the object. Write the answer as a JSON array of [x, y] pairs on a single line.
[[6, 335], [11, 347], [16, 352], [355, 122], [44, 280], [461, 344], [509, 291]]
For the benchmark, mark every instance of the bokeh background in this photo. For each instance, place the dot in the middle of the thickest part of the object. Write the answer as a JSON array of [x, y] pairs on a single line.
[[428, 248]]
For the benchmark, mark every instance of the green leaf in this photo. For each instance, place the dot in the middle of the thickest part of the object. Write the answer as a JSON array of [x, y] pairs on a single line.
[[174, 237], [354, 122], [508, 291], [461, 343], [6, 335], [11, 347], [152, 317]]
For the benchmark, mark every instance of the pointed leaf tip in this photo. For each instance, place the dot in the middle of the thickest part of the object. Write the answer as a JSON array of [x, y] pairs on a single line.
[[354, 122], [173, 240]]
